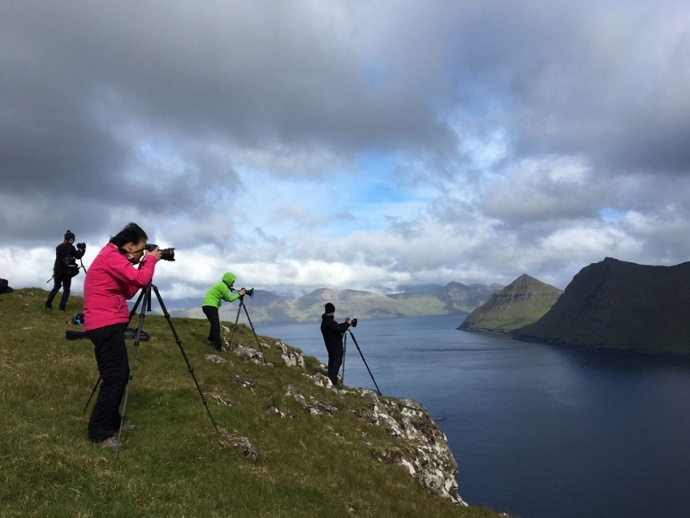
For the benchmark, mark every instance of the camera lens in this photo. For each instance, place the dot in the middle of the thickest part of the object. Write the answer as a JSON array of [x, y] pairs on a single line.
[[168, 254]]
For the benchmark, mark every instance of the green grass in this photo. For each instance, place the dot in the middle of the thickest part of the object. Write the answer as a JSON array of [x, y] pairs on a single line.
[[176, 463]]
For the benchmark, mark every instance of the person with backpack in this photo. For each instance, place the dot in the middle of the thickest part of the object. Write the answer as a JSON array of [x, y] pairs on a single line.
[[65, 268]]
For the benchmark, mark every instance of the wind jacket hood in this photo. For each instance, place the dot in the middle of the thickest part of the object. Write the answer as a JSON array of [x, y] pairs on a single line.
[[229, 278]]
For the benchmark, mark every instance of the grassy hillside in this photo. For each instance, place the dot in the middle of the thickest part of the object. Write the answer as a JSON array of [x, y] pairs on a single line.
[[176, 463]]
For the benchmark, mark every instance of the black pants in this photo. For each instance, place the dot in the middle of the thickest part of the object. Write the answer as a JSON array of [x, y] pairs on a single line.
[[211, 313], [113, 366], [60, 280], [335, 360]]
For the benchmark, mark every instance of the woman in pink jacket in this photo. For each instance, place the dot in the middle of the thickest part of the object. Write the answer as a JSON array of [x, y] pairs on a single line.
[[111, 280]]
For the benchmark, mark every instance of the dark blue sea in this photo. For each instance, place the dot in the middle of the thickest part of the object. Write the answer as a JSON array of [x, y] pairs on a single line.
[[538, 431]]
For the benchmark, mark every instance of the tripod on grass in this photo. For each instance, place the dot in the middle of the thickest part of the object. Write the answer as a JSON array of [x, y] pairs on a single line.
[[145, 301], [249, 292], [360, 353]]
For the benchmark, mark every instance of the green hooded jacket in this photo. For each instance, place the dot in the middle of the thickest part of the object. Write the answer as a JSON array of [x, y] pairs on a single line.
[[221, 291]]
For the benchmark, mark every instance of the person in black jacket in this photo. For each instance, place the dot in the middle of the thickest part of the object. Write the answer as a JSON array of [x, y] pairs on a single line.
[[64, 269], [333, 333]]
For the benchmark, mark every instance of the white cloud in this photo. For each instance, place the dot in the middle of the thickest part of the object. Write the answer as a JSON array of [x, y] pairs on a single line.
[[348, 144]]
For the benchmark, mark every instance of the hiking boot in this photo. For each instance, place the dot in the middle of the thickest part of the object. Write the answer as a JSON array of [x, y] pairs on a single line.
[[48, 306], [112, 442]]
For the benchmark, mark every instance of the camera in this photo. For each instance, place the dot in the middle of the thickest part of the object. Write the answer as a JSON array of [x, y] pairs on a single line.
[[353, 322], [247, 291], [167, 254], [81, 246]]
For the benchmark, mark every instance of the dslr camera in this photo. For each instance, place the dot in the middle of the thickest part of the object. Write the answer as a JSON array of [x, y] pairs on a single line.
[[167, 254], [353, 322], [247, 291], [81, 246]]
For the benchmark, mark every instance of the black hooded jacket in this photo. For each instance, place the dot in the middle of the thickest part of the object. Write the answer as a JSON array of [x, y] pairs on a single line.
[[332, 332]]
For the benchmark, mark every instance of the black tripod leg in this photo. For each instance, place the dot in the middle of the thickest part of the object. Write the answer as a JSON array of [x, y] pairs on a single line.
[[255, 337], [365, 362], [237, 318], [146, 296], [184, 355], [98, 381], [344, 351], [136, 304]]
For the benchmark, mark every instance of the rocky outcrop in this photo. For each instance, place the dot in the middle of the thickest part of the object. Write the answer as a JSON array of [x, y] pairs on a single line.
[[422, 448], [523, 301], [620, 305]]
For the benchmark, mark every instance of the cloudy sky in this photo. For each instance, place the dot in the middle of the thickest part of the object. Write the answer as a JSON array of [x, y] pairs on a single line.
[[368, 144]]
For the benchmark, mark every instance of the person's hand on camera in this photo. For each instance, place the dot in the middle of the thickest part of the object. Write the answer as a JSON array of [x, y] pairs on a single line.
[[156, 253], [242, 292], [349, 321]]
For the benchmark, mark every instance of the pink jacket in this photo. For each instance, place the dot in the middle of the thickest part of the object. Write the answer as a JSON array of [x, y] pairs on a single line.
[[110, 281]]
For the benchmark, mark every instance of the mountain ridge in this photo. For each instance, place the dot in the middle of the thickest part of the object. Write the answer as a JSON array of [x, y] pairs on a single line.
[[264, 306]]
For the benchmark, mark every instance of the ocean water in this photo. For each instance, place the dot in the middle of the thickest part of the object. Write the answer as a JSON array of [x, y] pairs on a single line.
[[537, 431]]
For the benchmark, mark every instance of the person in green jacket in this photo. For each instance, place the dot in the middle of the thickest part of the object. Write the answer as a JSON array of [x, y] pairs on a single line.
[[212, 301]]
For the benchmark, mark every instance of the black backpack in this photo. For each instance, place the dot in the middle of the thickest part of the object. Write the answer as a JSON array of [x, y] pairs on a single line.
[[5, 286], [69, 266]]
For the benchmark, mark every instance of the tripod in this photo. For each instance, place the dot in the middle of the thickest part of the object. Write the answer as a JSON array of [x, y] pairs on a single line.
[[82, 266], [246, 312], [145, 300], [360, 353]]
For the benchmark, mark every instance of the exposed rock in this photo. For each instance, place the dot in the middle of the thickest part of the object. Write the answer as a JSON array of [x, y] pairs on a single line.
[[242, 445], [320, 380], [247, 354], [214, 358], [425, 453], [423, 449], [427, 457], [274, 411], [245, 382], [315, 406], [291, 357], [219, 399]]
